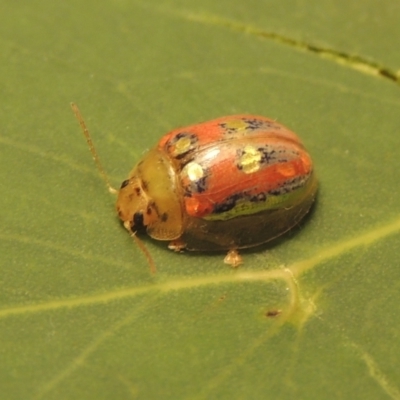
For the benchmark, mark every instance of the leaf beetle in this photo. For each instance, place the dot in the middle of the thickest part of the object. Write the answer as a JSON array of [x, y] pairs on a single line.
[[230, 183]]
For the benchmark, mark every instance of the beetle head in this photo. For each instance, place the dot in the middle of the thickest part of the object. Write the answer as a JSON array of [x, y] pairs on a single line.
[[134, 206]]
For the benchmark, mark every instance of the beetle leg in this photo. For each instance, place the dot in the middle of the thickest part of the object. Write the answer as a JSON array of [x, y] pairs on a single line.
[[233, 258], [177, 245]]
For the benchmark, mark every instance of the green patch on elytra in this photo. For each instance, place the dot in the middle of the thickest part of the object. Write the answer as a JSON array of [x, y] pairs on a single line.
[[245, 206]]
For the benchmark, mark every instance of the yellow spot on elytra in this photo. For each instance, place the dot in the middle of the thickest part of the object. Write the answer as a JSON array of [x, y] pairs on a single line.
[[238, 124], [194, 171], [182, 146], [250, 160]]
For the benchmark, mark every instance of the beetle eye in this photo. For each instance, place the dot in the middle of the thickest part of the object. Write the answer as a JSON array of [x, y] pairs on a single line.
[[124, 183], [137, 221]]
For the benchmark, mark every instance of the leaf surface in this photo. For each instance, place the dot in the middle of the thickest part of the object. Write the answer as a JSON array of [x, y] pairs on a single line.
[[314, 315]]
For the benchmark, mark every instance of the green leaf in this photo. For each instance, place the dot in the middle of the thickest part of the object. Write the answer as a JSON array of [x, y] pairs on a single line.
[[312, 316]]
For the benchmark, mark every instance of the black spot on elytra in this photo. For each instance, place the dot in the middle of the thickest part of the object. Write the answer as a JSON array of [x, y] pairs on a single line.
[[228, 129], [260, 197], [290, 185], [201, 184], [231, 201], [228, 204], [254, 123], [198, 186], [268, 155], [276, 192]]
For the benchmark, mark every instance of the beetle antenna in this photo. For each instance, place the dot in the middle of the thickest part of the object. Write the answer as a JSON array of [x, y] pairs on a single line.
[[146, 252], [92, 149]]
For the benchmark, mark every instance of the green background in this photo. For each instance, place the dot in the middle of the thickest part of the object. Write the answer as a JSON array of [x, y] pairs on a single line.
[[82, 317]]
